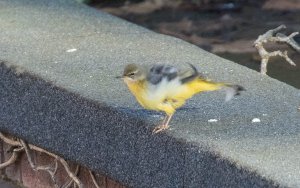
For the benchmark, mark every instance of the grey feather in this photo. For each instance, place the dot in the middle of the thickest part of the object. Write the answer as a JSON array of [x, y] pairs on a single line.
[[232, 90], [191, 77], [158, 72]]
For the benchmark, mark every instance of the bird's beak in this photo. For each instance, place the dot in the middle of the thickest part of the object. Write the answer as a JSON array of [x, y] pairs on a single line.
[[119, 77]]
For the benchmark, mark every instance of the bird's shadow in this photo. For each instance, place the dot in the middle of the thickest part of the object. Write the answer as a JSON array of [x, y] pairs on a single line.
[[145, 112]]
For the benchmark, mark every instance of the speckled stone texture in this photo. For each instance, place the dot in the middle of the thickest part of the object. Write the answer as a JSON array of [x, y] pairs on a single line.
[[58, 91]]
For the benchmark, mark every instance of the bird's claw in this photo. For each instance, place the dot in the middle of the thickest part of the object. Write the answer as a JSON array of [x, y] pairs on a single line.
[[160, 128]]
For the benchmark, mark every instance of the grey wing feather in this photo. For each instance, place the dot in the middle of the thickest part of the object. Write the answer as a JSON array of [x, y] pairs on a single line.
[[191, 77], [158, 72]]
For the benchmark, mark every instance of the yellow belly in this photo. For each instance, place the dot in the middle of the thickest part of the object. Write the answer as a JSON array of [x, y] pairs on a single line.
[[139, 90], [170, 99]]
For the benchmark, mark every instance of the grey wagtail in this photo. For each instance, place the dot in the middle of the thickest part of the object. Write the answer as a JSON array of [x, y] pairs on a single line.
[[165, 88]]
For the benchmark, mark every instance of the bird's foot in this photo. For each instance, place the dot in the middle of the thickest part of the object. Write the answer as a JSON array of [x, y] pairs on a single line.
[[160, 128]]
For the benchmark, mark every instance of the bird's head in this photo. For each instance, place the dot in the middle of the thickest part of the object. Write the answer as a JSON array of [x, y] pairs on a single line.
[[133, 73]]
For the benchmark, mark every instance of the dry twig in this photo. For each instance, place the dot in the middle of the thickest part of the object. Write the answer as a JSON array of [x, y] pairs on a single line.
[[22, 145], [273, 35], [13, 157], [70, 183], [35, 167], [94, 179]]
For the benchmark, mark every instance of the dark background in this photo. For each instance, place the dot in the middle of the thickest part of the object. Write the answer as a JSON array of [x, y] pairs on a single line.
[[225, 28]]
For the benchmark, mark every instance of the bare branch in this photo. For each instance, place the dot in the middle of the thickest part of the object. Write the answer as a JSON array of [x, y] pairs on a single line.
[[55, 166], [28, 153], [269, 34], [67, 185], [289, 40], [71, 174], [94, 179], [282, 54], [263, 65], [12, 159], [277, 29], [48, 169], [279, 37], [9, 141], [22, 145]]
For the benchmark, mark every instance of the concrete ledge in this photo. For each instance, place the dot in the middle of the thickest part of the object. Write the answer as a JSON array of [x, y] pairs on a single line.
[[70, 103]]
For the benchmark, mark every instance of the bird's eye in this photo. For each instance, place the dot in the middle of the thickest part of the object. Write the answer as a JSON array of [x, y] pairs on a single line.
[[131, 74]]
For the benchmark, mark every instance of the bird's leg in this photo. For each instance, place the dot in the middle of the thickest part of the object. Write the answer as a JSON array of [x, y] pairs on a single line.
[[165, 119], [164, 125], [168, 120]]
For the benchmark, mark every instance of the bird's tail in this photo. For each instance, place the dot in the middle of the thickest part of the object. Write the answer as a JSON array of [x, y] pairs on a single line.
[[206, 85], [197, 84], [232, 90]]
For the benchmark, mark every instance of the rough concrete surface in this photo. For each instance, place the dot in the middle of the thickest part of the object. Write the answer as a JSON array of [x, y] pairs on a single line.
[[67, 101]]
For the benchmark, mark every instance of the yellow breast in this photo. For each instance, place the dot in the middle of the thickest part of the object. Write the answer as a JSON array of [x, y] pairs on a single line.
[[147, 98], [137, 88], [169, 96]]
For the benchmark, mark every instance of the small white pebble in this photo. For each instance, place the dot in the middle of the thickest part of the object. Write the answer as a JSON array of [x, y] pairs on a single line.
[[212, 120], [255, 120], [71, 50], [265, 114]]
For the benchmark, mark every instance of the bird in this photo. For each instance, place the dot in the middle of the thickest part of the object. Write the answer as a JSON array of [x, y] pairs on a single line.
[[165, 88]]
